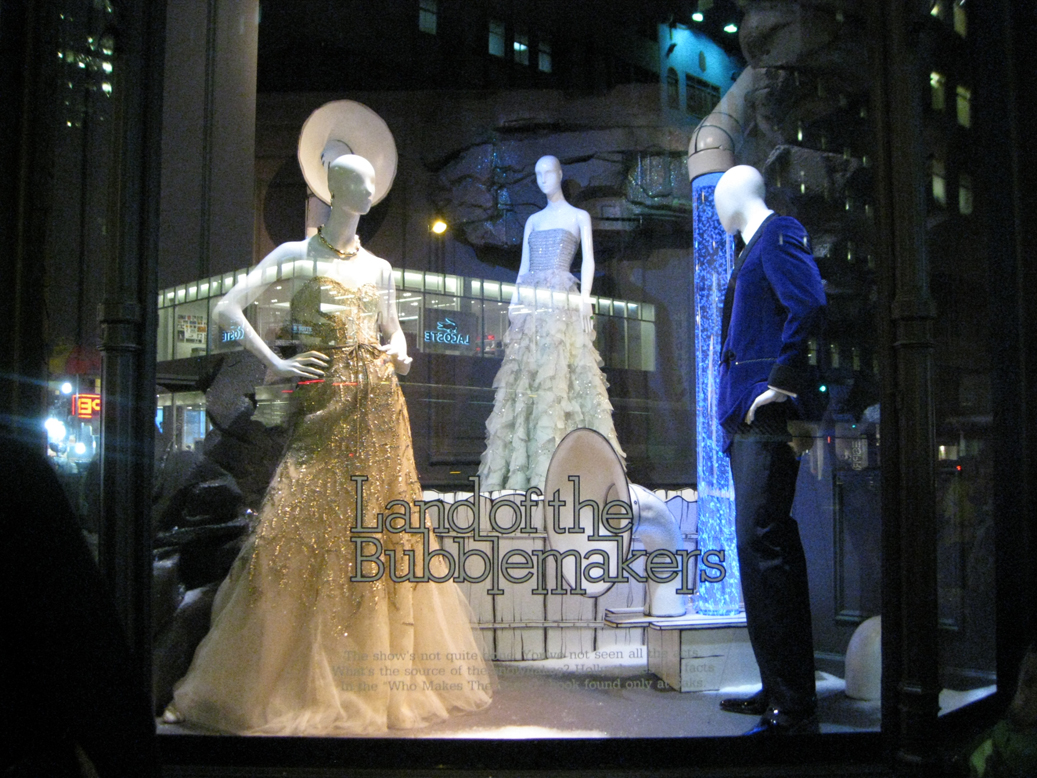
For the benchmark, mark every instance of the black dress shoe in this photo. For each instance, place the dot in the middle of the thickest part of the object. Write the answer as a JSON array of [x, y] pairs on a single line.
[[753, 705], [776, 722]]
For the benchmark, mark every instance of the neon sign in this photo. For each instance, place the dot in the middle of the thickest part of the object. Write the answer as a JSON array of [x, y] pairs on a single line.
[[86, 406], [234, 333], [446, 332]]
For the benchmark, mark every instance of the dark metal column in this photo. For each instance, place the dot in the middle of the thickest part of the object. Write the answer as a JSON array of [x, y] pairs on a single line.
[[127, 317], [23, 147], [911, 683], [1005, 112]]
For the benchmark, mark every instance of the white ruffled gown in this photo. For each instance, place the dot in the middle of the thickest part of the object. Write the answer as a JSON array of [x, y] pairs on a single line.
[[550, 382]]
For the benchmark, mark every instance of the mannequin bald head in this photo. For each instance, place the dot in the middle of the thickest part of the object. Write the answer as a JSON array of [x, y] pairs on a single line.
[[351, 180], [549, 175], [739, 200]]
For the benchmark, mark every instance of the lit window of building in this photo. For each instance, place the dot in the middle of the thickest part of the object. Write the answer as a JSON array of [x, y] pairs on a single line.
[[961, 22], [544, 56], [673, 97], [521, 47], [964, 106], [936, 88], [700, 96], [427, 13], [496, 38], [965, 194], [939, 169]]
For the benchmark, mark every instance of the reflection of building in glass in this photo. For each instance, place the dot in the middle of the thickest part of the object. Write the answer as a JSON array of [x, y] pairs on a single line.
[[708, 71], [427, 15], [73, 424], [441, 313]]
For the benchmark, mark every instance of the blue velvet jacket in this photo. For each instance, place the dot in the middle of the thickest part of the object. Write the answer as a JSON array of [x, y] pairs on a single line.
[[775, 303]]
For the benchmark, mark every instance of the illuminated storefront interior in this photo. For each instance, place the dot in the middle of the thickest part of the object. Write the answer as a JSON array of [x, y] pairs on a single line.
[[912, 501]]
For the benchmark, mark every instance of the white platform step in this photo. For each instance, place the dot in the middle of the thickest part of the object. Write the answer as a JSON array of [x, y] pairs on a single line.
[[694, 653]]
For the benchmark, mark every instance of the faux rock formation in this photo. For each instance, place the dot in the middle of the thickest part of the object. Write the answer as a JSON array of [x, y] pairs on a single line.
[[618, 165], [191, 489]]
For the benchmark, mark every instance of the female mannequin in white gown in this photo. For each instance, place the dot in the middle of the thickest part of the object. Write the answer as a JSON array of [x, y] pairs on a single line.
[[550, 382]]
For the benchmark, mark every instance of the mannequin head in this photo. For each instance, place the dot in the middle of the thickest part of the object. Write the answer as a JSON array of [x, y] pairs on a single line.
[[351, 181], [739, 198], [549, 175]]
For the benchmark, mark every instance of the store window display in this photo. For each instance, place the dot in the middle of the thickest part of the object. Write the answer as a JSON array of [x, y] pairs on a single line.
[[304, 638], [550, 382]]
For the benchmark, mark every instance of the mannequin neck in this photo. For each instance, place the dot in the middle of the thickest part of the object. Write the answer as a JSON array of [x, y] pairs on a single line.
[[340, 228], [754, 215], [556, 199]]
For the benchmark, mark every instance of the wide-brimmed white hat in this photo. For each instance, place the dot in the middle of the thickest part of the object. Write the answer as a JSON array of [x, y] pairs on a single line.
[[346, 127]]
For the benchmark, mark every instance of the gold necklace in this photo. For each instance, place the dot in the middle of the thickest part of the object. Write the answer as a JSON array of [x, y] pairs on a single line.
[[343, 254]]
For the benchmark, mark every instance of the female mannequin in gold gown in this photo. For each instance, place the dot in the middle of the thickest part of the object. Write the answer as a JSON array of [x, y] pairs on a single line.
[[298, 645]]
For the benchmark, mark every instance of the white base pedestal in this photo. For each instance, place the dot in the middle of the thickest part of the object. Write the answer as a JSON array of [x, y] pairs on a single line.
[[694, 653]]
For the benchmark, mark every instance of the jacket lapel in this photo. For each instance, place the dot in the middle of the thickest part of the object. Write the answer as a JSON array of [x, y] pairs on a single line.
[[729, 293]]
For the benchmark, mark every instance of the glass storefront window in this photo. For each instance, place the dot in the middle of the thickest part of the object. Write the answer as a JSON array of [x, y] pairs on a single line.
[[649, 349]]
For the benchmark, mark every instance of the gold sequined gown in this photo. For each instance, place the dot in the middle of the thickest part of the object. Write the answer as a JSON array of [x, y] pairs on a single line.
[[295, 646], [550, 381]]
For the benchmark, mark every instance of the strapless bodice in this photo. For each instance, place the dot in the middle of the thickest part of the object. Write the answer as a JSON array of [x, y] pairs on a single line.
[[327, 313], [551, 250]]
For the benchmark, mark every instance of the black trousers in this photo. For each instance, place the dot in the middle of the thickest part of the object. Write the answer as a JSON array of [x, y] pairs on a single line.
[[771, 560]]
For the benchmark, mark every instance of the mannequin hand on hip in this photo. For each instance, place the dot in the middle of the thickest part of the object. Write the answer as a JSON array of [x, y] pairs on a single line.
[[401, 362], [308, 365], [769, 396]]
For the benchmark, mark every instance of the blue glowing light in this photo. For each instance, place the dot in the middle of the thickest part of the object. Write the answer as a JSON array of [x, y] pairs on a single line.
[[714, 255]]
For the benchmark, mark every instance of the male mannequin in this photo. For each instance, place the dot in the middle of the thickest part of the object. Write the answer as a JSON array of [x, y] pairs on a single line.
[[775, 303], [550, 380]]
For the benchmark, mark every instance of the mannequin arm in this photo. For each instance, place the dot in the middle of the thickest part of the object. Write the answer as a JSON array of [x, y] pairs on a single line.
[[523, 265], [229, 313], [586, 271], [396, 347], [794, 277]]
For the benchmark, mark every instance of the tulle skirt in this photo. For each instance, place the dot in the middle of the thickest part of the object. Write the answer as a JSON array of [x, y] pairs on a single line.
[[549, 384], [307, 636]]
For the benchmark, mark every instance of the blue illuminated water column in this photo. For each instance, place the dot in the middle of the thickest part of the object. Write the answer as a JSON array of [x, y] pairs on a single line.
[[714, 254]]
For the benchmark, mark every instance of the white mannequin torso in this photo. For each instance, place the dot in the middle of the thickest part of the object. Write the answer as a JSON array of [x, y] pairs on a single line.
[[560, 214], [340, 257]]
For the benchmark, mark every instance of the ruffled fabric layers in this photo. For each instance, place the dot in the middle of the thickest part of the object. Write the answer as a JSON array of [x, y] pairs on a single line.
[[549, 384]]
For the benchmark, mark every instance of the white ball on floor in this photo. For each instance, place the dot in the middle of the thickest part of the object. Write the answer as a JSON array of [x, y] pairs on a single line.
[[864, 661]]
